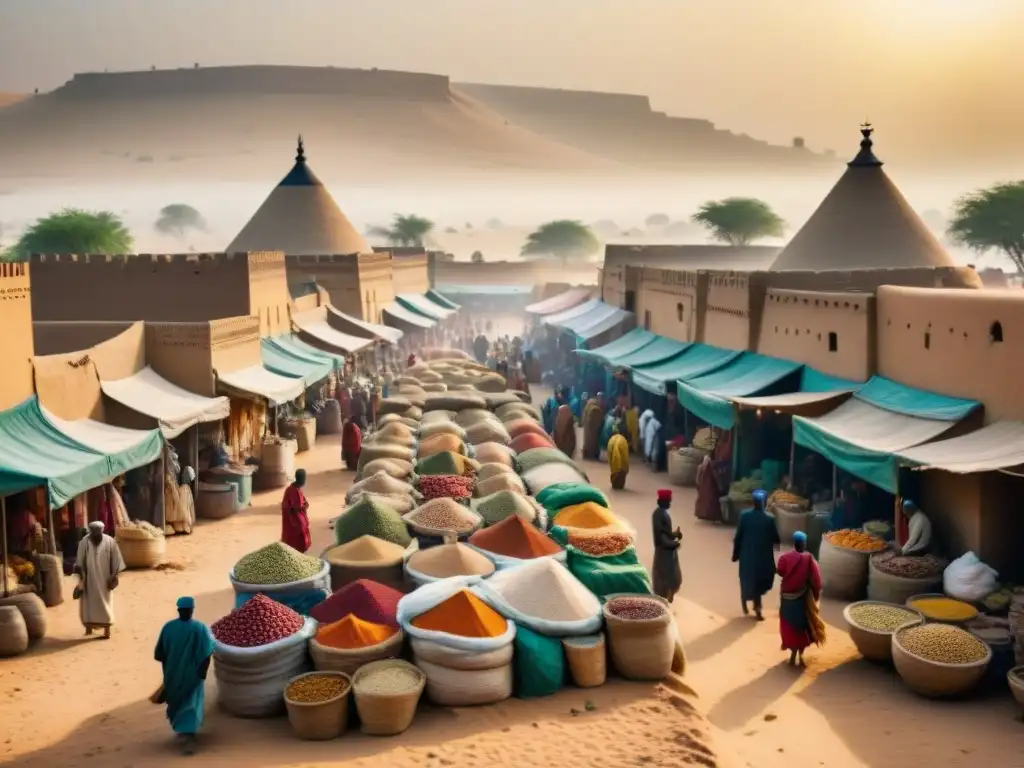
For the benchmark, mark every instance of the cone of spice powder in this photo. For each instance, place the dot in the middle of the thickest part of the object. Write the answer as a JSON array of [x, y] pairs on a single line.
[[446, 560], [589, 514], [351, 633], [465, 615], [367, 600], [514, 537]]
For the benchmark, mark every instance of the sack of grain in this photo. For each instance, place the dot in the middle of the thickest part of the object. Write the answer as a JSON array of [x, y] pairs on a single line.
[[441, 427], [844, 572], [494, 453], [536, 457], [439, 443], [394, 418], [399, 434], [507, 482], [373, 451], [517, 411], [539, 478], [382, 483], [397, 468], [497, 399], [431, 416], [401, 503], [492, 468], [488, 431], [453, 687], [430, 596], [398, 405], [33, 611], [453, 401], [642, 642]]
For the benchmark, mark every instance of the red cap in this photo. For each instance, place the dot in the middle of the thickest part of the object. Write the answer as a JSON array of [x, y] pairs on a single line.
[[665, 494]]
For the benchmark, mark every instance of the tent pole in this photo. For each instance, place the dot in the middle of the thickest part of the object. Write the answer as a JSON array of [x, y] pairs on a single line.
[[51, 536], [835, 483], [3, 521], [792, 462]]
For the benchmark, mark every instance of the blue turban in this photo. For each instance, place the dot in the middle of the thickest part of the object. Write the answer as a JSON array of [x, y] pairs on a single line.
[[909, 506], [800, 536], [759, 495], [186, 602]]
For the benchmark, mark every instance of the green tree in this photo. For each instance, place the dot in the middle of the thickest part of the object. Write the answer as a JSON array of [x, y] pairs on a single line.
[[177, 219], [992, 218], [74, 231], [406, 230], [739, 220], [564, 239]]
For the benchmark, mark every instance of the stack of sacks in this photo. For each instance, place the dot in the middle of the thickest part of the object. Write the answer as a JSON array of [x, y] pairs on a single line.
[[440, 426], [463, 645], [488, 430], [400, 406], [357, 624], [470, 416], [394, 418], [547, 603], [283, 574], [514, 541], [394, 433], [513, 411]]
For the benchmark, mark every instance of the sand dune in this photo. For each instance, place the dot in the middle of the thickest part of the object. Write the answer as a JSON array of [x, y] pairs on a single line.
[[230, 123]]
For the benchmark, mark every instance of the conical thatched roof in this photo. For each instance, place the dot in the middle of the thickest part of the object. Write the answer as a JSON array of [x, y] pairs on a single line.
[[300, 218], [863, 223]]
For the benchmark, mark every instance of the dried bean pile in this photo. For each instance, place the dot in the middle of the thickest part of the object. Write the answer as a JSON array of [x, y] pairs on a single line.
[[258, 622], [316, 689], [635, 608], [445, 515], [881, 618], [943, 643], [599, 544], [446, 487], [387, 681], [909, 567], [276, 563]]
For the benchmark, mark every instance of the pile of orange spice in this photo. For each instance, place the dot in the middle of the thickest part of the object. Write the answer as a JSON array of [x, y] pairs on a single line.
[[463, 614], [352, 633]]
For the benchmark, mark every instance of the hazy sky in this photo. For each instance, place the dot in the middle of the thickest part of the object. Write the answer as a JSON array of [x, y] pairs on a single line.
[[931, 74]]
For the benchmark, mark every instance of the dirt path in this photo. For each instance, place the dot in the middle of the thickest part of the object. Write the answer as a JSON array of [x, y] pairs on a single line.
[[72, 702]]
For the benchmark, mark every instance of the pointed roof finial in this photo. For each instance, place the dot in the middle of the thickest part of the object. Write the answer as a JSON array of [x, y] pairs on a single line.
[[300, 155], [866, 157]]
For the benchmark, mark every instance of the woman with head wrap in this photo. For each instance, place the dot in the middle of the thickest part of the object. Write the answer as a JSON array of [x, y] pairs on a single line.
[[800, 624], [548, 412], [351, 444], [618, 457], [295, 514], [576, 403], [666, 575], [753, 547], [593, 418], [565, 431], [632, 428]]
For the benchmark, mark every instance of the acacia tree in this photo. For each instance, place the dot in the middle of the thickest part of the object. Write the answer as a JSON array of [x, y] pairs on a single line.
[[72, 230], [739, 220], [992, 218], [406, 230], [564, 239], [177, 219]]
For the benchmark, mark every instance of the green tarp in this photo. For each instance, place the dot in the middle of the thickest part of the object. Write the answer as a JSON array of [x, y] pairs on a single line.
[[695, 360], [707, 396], [443, 301], [813, 380], [421, 305], [297, 346], [658, 351], [883, 393], [34, 451], [628, 344], [278, 359]]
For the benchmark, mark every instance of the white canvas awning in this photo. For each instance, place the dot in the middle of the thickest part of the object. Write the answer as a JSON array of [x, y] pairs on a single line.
[[257, 380], [176, 409], [397, 312], [1000, 445], [877, 429], [363, 327], [790, 400], [314, 324]]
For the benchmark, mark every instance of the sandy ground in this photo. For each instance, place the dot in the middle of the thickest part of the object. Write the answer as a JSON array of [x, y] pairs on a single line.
[[72, 701]]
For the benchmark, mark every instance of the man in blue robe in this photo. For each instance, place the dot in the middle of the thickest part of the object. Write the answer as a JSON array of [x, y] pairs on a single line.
[[184, 649], [753, 548]]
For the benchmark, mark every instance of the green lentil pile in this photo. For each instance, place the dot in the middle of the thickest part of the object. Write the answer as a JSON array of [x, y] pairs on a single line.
[[316, 689], [942, 643], [536, 457], [369, 517], [503, 504], [881, 618], [276, 563], [387, 681]]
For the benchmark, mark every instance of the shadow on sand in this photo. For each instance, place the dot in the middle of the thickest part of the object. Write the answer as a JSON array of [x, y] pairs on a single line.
[[743, 703], [718, 640]]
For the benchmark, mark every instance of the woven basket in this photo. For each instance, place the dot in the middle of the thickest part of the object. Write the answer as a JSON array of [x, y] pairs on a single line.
[[588, 663], [216, 501], [682, 469], [329, 659], [33, 611], [13, 632], [328, 420], [874, 645], [142, 553], [387, 714], [641, 649], [322, 721], [887, 588], [934, 679]]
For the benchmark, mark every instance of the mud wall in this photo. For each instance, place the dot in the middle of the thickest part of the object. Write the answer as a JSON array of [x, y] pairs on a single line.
[[16, 346]]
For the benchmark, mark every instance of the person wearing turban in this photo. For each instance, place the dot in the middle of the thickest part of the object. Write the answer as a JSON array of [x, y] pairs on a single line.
[[753, 547], [98, 564], [800, 623], [666, 575]]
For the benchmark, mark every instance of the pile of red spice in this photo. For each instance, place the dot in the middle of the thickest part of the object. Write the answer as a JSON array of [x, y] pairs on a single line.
[[366, 600], [529, 440], [514, 537]]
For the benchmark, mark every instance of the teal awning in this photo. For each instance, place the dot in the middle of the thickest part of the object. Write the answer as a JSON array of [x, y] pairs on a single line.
[[596, 316], [478, 290], [276, 358], [865, 435], [299, 348], [603, 324], [892, 396], [398, 316], [561, 303], [707, 396], [660, 350], [816, 388], [421, 305], [627, 344], [574, 311], [442, 301], [67, 457], [695, 360], [813, 380]]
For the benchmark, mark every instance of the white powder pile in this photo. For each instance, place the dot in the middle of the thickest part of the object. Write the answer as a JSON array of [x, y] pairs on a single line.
[[544, 589], [539, 478]]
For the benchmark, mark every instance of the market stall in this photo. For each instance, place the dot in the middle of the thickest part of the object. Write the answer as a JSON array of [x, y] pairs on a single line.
[[560, 303]]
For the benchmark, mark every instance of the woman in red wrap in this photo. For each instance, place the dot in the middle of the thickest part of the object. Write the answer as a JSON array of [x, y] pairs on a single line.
[[351, 444], [294, 514], [800, 623]]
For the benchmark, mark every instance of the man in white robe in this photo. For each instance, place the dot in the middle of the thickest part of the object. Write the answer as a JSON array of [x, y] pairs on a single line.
[[98, 564]]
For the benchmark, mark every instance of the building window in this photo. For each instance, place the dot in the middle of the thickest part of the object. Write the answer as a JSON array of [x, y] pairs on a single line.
[[995, 333], [647, 320], [679, 311], [927, 340], [833, 341]]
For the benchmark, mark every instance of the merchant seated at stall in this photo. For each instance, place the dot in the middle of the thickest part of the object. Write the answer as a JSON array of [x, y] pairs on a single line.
[[914, 533]]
